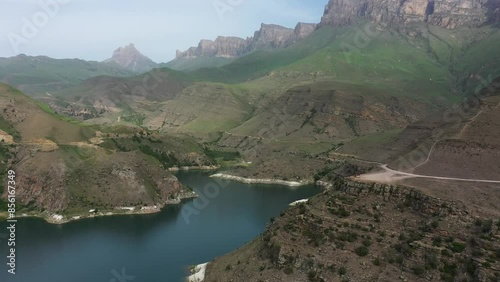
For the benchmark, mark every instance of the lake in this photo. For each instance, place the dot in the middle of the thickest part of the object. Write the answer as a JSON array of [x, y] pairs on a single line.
[[150, 248]]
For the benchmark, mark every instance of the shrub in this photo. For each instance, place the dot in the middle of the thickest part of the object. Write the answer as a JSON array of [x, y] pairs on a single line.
[[342, 271], [367, 243], [435, 224], [361, 251], [457, 247], [418, 270], [446, 253]]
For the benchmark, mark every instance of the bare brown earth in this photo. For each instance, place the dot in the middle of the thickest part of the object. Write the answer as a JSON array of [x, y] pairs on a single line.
[[481, 198], [474, 152]]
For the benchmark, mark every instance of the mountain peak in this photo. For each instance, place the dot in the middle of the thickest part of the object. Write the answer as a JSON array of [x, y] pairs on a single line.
[[130, 58]]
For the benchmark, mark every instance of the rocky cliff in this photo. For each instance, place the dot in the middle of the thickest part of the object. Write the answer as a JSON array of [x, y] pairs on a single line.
[[225, 47], [269, 36], [445, 13], [131, 59]]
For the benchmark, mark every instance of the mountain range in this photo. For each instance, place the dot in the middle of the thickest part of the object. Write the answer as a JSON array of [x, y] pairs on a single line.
[[269, 36]]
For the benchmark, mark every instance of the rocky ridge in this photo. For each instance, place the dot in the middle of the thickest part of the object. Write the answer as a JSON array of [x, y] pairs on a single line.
[[445, 13], [269, 36]]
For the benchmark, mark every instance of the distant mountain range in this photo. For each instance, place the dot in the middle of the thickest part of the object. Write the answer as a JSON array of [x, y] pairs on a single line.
[[268, 37]]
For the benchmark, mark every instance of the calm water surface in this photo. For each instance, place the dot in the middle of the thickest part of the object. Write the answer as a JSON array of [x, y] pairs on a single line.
[[151, 248]]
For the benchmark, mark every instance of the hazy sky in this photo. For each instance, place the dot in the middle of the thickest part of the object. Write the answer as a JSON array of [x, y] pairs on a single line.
[[92, 29]]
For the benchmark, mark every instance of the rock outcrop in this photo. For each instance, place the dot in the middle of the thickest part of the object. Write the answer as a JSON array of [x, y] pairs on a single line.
[[131, 59], [269, 36], [225, 47], [6, 138], [445, 13]]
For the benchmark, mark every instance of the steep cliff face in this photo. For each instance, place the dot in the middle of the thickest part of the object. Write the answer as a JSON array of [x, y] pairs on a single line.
[[302, 30], [269, 36], [445, 13], [272, 36], [225, 47], [131, 59]]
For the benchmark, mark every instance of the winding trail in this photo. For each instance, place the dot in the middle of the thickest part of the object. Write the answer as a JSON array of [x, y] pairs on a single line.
[[390, 176]]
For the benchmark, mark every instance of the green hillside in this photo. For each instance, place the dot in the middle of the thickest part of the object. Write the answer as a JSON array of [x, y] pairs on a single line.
[[192, 64], [330, 86], [259, 63], [38, 75], [69, 167]]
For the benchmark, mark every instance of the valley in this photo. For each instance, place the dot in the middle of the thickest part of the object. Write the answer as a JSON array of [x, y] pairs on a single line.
[[382, 118]]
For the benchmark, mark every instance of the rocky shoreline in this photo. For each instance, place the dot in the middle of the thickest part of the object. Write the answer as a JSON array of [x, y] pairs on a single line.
[[60, 219], [187, 168], [261, 180], [197, 273]]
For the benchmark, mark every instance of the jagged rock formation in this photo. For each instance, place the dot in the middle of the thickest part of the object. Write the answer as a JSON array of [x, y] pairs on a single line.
[[269, 36], [445, 13], [272, 36], [225, 47], [131, 59]]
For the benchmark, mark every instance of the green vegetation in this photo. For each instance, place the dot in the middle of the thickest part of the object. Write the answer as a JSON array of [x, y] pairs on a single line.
[[361, 251], [192, 64], [42, 74], [259, 63], [7, 127], [225, 156], [342, 271], [457, 247]]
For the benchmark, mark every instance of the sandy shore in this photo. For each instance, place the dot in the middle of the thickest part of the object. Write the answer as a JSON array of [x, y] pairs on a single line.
[[198, 273], [261, 181]]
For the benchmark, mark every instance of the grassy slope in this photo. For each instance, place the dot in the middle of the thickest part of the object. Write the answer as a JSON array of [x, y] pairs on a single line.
[[127, 99], [259, 63], [430, 68], [34, 120], [193, 64], [81, 175], [388, 64]]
